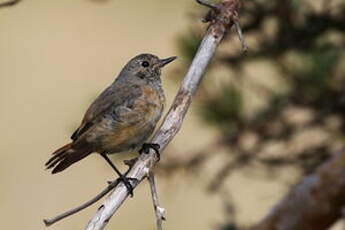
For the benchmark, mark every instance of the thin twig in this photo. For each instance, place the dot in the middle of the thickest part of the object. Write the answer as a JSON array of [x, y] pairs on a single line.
[[173, 120], [240, 36], [53, 220], [159, 211], [9, 3], [207, 4]]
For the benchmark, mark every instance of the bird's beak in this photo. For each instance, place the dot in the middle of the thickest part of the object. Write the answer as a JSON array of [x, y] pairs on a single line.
[[163, 62]]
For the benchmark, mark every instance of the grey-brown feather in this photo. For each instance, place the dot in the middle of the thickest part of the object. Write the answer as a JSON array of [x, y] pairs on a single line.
[[116, 95]]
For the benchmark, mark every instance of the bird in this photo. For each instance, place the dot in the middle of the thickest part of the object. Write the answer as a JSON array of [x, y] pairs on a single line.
[[121, 118]]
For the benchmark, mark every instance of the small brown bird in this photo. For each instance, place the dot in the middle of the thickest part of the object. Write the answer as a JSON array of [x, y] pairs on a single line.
[[122, 117]]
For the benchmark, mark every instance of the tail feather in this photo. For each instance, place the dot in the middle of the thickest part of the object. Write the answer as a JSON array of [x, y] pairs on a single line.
[[65, 157], [57, 155]]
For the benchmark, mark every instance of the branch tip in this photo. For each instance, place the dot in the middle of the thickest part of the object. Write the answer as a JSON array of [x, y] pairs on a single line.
[[46, 222], [226, 15]]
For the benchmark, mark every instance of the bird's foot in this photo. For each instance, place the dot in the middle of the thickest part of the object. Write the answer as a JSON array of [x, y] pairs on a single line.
[[146, 149], [127, 183]]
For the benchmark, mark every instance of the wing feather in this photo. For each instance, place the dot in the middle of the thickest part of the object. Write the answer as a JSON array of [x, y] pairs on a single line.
[[115, 96]]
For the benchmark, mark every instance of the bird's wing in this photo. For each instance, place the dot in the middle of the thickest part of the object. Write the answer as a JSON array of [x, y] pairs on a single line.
[[119, 98]]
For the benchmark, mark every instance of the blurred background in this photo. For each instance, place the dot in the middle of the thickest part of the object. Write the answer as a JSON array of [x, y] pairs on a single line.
[[260, 123]]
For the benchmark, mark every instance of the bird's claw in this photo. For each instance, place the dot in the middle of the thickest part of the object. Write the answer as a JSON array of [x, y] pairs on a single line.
[[127, 183], [146, 149]]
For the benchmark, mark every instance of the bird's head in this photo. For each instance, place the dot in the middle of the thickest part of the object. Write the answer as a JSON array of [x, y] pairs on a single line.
[[146, 66]]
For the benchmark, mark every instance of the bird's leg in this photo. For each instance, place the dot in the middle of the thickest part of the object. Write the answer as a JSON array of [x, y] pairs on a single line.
[[122, 178], [146, 149]]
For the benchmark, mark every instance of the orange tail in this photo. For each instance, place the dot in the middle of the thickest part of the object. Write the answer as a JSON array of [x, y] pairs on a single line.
[[65, 157]]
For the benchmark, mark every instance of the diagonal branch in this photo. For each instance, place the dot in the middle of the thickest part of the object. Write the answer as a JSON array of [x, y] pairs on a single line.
[[314, 204], [221, 21]]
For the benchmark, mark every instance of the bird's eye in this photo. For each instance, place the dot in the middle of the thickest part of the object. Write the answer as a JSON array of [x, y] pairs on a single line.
[[145, 64]]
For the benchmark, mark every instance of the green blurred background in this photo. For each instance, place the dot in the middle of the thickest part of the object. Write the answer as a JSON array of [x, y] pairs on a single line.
[[258, 124]]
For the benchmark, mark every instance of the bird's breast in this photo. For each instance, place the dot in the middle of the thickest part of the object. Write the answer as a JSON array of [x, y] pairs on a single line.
[[152, 103], [148, 109]]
